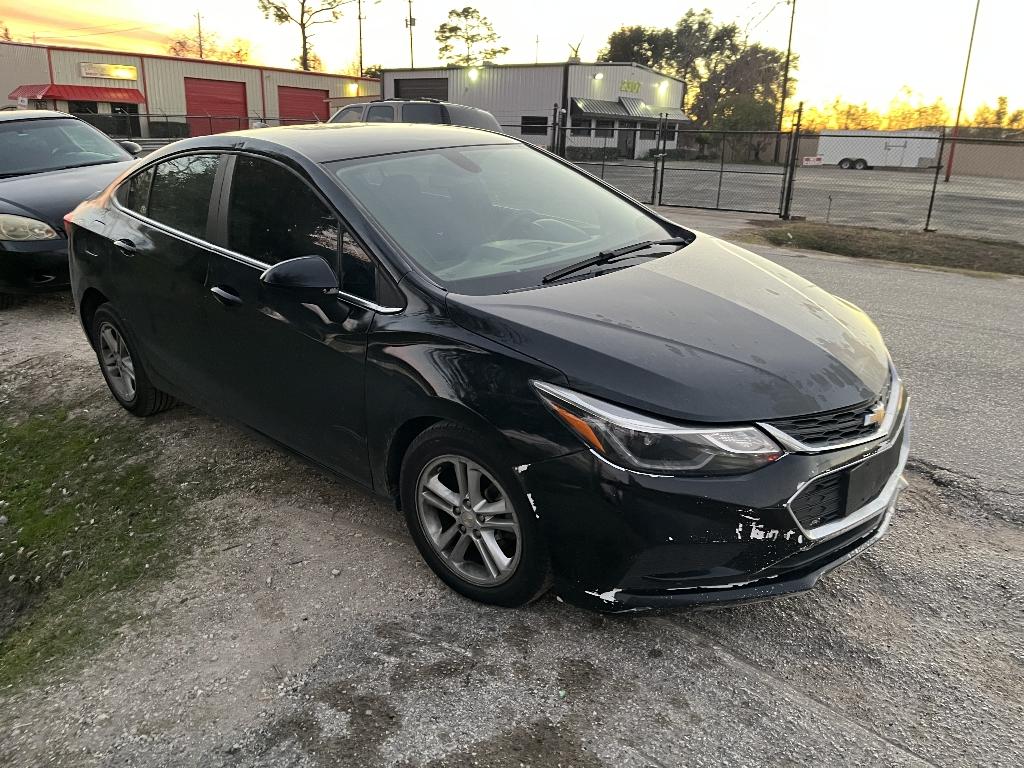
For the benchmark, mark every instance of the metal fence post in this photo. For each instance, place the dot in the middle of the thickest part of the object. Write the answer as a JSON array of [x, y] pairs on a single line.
[[604, 152], [793, 151], [554, 129], [935, 181], [657, 147], [721, 170]]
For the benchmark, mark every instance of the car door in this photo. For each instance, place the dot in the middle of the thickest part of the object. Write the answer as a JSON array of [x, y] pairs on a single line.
[[294, 364], [159, 254]]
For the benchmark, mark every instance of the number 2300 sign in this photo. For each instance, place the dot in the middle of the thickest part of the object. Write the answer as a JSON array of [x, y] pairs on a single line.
[[630, 86]]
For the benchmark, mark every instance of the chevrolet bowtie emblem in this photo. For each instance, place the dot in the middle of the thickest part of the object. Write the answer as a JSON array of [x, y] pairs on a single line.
[[875, 416]]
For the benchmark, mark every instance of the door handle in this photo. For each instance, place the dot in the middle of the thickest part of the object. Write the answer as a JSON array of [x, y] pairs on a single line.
[[226, 296], [127, 247]]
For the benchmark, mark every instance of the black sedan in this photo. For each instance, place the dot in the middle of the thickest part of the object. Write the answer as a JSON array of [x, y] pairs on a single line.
[[554, 384], [49, 163]]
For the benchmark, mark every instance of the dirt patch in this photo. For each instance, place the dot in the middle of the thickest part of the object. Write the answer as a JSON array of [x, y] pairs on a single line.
[[927, 248]]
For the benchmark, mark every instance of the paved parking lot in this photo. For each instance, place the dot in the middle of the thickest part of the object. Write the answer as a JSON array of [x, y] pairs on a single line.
[[255, 653], [968, 205]]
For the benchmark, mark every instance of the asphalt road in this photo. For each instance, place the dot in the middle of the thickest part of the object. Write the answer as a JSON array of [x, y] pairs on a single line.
[[967, 205], [304, 631]]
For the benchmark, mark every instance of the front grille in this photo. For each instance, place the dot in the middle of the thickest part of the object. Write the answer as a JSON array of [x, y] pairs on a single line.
[[834, 496], [832, 427], [822, 501]]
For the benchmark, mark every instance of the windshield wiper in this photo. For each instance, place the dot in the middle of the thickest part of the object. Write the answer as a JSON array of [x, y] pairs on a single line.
[[604, 257]]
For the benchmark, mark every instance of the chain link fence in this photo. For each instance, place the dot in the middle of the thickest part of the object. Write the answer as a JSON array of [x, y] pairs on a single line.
[[910, 180]]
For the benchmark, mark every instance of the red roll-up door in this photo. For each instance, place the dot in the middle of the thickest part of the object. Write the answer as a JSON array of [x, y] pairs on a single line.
[[215, 106], [301, 105]]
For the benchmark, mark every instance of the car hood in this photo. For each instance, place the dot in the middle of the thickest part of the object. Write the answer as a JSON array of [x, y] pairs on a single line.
[[48, 196], [711, 333]]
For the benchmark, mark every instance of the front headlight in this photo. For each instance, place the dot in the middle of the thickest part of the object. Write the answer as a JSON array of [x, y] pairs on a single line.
[[22, 228], [639, 442]]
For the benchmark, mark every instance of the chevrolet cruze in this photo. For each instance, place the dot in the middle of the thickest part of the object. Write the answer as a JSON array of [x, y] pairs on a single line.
[[558, 387]]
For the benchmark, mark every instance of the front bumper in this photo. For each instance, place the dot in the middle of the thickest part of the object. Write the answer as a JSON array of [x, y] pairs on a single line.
[[34, 267], [625, 541]]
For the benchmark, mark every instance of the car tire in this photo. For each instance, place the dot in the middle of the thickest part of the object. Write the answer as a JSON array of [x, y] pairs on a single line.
[[519, 570], [7, 300], [846, 163], [860, 165], [123, 369]]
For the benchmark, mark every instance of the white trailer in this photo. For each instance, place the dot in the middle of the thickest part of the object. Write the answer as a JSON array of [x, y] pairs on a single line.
[[879, 149]]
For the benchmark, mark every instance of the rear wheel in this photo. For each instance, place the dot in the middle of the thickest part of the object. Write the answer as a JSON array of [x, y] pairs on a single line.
[[846, 163], [860, 165], [121, 367], [7, 300], [470, 518]]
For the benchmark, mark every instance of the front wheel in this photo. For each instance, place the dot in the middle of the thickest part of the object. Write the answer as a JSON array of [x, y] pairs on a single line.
[[846, 163], [471, 519], [121, 367]]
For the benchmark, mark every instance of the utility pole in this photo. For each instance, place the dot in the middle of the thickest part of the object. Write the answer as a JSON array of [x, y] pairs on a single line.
[[536, 50], [410, 22], [359, 18], [963, 89], [199, 35], [785, 74]]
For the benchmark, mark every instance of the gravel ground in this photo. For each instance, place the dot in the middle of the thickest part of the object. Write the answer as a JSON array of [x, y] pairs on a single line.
[[303, 630]]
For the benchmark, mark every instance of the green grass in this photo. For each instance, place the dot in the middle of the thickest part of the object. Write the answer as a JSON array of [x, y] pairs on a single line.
[[928, 248], [86, 519]]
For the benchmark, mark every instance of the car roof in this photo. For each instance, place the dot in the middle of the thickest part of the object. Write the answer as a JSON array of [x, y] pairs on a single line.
[[323, 142], [8, 115]]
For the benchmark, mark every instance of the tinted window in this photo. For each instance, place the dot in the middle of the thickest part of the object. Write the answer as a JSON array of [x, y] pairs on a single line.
[[180, 194], [491, 218], [357, 275], [380, 114], [133, 194], [422, 113], [349, 115], [273, 215]]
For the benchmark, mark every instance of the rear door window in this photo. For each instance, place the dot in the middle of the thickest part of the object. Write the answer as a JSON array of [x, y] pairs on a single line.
[[381, 113], [180, 193], [422, 113]]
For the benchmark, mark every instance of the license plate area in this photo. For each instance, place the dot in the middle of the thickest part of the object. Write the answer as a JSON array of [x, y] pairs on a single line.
[[866, 480]]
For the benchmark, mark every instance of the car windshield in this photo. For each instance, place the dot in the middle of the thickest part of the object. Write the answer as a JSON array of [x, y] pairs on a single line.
[[490, 219], [35, 146]]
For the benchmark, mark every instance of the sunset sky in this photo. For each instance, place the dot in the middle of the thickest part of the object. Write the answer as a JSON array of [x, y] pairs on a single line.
[[861, 51]]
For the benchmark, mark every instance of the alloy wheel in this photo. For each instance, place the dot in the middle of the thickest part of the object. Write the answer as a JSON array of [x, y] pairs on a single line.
[[117, 362], [469, 520]]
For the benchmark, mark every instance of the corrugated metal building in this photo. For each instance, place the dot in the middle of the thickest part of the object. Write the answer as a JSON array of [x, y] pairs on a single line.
[[144, 95], [603, 104]]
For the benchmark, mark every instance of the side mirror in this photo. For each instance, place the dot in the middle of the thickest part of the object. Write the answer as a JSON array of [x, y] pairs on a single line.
[[130, 147], [305, 273]]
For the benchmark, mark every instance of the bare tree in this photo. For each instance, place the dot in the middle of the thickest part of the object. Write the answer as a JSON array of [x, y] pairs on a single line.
[[467, 29], [5, 33], [189, 45], [305, 14]]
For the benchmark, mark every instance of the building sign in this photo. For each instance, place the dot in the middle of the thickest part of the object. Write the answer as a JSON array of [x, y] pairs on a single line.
[[109, 71], [629, 86]]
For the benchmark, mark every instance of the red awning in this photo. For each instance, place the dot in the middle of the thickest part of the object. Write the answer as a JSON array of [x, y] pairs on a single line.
[[78, 93]]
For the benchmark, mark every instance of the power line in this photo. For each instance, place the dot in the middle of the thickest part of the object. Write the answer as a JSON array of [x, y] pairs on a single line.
[[91, 34]]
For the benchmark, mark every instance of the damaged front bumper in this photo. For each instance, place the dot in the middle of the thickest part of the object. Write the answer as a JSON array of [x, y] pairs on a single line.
[[623, 541]]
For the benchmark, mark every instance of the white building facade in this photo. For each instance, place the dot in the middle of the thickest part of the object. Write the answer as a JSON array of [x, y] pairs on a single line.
[[128, 94], [608, 107]]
